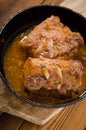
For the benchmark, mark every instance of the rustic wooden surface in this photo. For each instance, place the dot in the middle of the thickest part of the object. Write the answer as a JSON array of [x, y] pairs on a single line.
[[77, 5], [72, 117], [12, 105]]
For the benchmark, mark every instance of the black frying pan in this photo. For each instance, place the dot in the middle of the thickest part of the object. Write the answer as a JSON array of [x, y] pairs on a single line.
[[32, 16]]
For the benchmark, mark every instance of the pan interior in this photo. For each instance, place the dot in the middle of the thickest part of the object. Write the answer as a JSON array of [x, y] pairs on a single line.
[[11, 41]]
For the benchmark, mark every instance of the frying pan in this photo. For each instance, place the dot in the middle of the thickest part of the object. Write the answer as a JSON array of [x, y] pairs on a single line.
[[31, 17]]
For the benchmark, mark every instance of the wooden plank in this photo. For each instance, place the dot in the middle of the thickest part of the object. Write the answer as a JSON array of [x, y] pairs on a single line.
[[69, 118], [12, 105], [9, 122], [3, 101], [72, 117], [77, 5], [78, 116], [52, 1], [50, 125], [8, 9], [2, 86]]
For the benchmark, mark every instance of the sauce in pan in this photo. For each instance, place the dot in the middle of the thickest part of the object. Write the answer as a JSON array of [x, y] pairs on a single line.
[[13, 67]]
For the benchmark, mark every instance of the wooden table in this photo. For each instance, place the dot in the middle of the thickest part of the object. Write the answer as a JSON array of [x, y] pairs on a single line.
[[72, 117]]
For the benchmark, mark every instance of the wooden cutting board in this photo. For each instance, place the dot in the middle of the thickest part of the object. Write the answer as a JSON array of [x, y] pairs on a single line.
[[13, 105]]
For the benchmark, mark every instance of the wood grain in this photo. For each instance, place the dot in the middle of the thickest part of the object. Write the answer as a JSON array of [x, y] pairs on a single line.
[[72, 117], [52, 1], [76, 5], [9, 8], [12, 105], [9, 122]]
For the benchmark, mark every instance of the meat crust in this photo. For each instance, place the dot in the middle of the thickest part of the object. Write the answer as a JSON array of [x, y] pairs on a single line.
[[51, 39], [65, 77], [51, 44]]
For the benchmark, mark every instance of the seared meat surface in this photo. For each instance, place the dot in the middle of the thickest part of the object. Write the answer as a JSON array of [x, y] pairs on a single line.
[[51, 39], [65, 77], [51, 70]]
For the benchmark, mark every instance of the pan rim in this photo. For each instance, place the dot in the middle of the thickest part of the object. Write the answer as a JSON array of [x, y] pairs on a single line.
[[18, 94]]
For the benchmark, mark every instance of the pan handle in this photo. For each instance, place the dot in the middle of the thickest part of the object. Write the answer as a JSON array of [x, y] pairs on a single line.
[[76, 5]]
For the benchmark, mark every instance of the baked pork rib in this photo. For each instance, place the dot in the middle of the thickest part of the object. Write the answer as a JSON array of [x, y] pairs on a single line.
[[65, 77], [51, 39]]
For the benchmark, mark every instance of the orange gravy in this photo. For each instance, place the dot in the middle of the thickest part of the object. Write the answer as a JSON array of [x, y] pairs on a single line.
[[13, 67]]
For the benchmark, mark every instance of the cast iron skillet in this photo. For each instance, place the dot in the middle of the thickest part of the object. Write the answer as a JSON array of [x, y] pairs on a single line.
[[32, 16]]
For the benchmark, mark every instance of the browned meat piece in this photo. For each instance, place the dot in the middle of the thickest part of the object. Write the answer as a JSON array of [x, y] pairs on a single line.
[[51, 39], [65, 77]]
